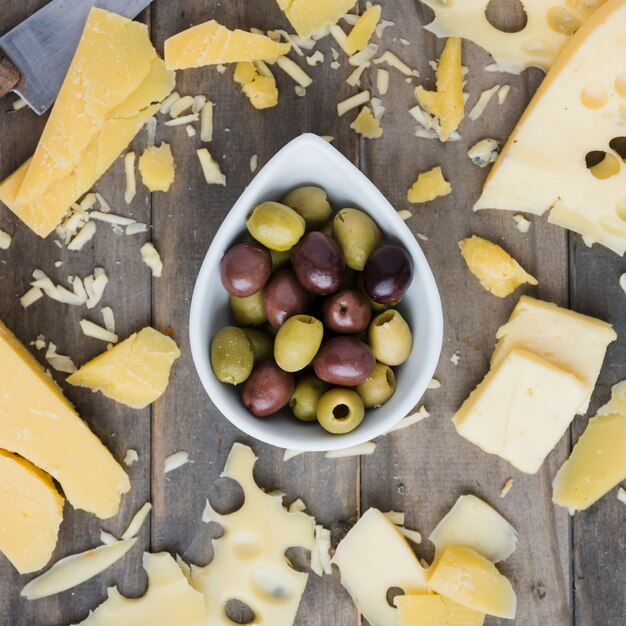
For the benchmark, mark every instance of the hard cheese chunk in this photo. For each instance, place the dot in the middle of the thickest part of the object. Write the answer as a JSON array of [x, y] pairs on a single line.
[[543, 165], [363, 30], [464, 576], [428, 186], [135, 372], [549, 26], [497, 271], [169, 600], [38, 423], [372, 558], [574, 342], [471, 522], [260, 90], [249, 561], [157, 167], [211, 43], [435, 610], [309, 18], [367, 125], [109, 93], [31, 511], [521, 409]]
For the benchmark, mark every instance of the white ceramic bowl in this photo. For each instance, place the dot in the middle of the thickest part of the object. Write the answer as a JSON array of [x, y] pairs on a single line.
[[309, 160]]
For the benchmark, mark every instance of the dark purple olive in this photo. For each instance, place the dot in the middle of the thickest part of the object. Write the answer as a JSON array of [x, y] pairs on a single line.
[[387, 274], [347, 311], [245, 269], [267, 390], [283, 297], [344, 361], [318, 262]]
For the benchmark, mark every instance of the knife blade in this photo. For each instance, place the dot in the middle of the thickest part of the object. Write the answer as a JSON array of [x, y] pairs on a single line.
[[42, 47]]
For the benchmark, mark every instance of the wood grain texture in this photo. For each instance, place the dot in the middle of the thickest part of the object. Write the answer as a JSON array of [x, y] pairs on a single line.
[[421, 470]]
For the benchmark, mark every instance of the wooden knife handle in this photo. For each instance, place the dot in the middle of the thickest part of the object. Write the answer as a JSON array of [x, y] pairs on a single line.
[[9, 75]]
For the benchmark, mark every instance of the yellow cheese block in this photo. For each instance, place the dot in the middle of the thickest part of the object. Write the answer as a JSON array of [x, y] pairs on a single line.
[[549, 27], [135, 372], [447, 103], [497, 271], [543, 165], [428, 186], [31, 511], [169, 601], [157, 167], [211, 43], [367, 125], [309, 18], [521, 409], [574, 342], [38, 423], [363, 30], [435, 610]]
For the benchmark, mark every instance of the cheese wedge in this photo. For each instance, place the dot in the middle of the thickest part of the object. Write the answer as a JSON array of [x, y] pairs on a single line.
[[157, 168], [309, 18], [211, 43], [31, 511], [549, 27], [571, 341], [543, 165], [135, 372], [467, 578], [521, 409], [39, 424], [435, 610]]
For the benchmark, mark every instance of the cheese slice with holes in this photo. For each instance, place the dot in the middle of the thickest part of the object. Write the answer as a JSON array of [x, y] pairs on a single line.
[[211, 43], [135, 372], [574, 342], [38, 423], [579, 110], [435, 610], [372, 558], [169, 600], [548, 28], [31, 511], [309, 18]]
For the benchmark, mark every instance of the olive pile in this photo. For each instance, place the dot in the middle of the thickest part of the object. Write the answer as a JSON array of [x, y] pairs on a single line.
[[304, 294]]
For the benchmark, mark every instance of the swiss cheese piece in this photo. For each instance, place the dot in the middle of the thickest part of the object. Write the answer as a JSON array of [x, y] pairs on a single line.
[[367, 125], [31, 511], [157, 168], [135, 372], [473, 523], [169, 600], [496, 270], [543, 165], [372, 558], [521, 409], [211, 43], [363, 30], [435, 610], [447, 104], [574, 342], [249, 561], [428, 186], [464, 576], [38, 423], [309, 18], [548, 28]]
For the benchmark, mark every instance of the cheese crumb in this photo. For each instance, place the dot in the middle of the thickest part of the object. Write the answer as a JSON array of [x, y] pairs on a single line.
[[405, 214], [622, 282], [621, 495], [59, 362], [503, 93], [433, 384], [392, 60], [409, 420], [191, 131], [483, 101], [428, 186], [109, 319], [176, 460], [152, 259], [134, 229], [290, 454], [206, 122], [84, 236], [523, 225], [367, 125], [455, 359], [316, 58], [506, 487], [395, 517], [382, 81], [484, 152], [107, 538], [181, 106], [31, 296], [131, 457], [18, 104], [254, 161], [361, 450], [5, 240], [97, 332], [293, 70], [167, 104], [211, 170], [137, 522], [131, 182]]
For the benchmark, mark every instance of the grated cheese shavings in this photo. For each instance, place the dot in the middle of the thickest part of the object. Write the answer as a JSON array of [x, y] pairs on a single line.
[[182, 105], [107, 538], [361, 450], [109, 319], [483, 101], [506, 487], [31, 296], [83, 237], [167, 104], [382, 26], [621, 495], [134, 229], [5, 240], [409, 420], [503, 93], [198, 103], [131, 457], [354, 80], [211, 170], [405, 214], [382, 81], [395, 517], [352, 103], [59, 362], [315, 59], [290, 454], [521, 223], [293, 70], [191, 131], [338, 34], [110, 218], [392, 60], [434, 384], [151, 131], [364, 56], [152, 259], [97, 332], [137, 522], [297, 506], [176, 460], [411, 535], [184, 120], [131, 181], [254, 162], [622, 282], [18, 104]]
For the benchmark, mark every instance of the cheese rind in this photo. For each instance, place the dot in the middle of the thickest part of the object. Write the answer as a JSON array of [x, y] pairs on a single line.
[[38, 423], [211, 43], [521, 409], [435, 610], [31, 512], [135, 372], [309, 18], [157, 167]]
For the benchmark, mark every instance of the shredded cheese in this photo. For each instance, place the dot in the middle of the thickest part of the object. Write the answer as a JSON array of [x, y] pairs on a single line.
[[184, 120], [405, 214], [84, 236], [361, 450], [152, 259], [109, 319], [31, 296], [18, 104], [137, 522], [506, 487], [5, 240], [134, 229], [395, 517], [433, 384], [131, 181], [382, 81], [338, 34], [503, 93], [181, 106], [521, 223], [409, 420], [483, 101], [151, 130], [211, 170], [59, 362], [176, 460], [167, 104], [254, 160], [97, 332], [353, 103], [621, 495], [411, 535], [393, 61], [315, 58], [293, 70], [131, 457]]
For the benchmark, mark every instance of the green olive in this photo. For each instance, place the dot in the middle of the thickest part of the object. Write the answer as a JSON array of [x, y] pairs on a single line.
[[262, 344], [378, 388], [327, 228], [297, 342], [232, 355], [357, 234], [280, 259], [305, 397], [390, 338], [311, 203], [248, 311], [340, 411], [276, 226]]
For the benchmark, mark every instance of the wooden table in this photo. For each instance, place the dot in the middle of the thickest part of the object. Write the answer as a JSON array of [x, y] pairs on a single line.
[[566, 570]]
